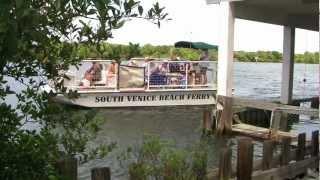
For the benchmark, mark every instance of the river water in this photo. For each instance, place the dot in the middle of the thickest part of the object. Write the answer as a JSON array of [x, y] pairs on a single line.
[[183, 126]]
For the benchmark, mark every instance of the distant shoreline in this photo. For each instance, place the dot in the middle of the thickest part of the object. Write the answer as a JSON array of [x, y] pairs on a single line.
[[121, 52]]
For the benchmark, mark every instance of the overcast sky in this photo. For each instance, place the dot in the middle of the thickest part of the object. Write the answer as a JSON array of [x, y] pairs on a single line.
[[194, 20]]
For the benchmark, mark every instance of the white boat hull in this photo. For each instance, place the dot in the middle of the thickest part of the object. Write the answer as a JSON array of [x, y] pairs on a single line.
[[142, 99]]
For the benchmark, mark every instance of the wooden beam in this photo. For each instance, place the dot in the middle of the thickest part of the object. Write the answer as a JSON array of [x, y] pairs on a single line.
[[260, 133]]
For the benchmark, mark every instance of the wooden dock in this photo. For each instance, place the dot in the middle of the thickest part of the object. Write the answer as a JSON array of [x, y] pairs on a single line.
[[275, 118]]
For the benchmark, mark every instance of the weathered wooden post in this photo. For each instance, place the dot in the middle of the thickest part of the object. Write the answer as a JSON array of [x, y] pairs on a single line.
[[101, 173], [285, 151], [67, 168], [225, 120], [315, 147], [301, 151], [225, 166], [245, 159], [207, 121], [301, 146], [275, 121], [267, 155]]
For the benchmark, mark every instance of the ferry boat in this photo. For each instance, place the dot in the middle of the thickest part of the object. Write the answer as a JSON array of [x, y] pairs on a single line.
[[141, 82]]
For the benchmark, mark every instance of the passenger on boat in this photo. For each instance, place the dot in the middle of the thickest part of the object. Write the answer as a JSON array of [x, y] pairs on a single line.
[[112, 71], [204, 66], [158, 71], [92, 74]]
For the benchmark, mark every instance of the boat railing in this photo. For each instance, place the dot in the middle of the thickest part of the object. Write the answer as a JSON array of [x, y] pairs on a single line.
[[155, 75], [181, 75]]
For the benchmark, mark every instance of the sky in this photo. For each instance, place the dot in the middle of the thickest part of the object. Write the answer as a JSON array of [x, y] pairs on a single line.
[[194, 20]]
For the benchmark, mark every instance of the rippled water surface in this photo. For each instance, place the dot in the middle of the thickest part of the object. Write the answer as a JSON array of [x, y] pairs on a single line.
[[253, 80]]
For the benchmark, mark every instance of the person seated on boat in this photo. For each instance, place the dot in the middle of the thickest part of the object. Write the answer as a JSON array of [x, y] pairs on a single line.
[[194, 74], [204, 65], [132, 62], [158, 71], [112, 71], [91, 75]]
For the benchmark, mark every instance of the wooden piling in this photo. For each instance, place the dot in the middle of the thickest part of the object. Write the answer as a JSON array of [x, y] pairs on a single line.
[[284, 121], [315, 147], [225, 166], [206, 120], [67, 168], [285, 151], [275, 121], [225, 121], [267, 155], [245, 159], [102, 173], [301, 147]]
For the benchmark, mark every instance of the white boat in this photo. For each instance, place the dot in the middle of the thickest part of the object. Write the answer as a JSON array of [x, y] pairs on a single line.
[[141, 83]]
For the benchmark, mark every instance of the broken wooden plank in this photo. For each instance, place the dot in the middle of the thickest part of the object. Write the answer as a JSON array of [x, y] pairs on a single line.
[[260, 133], [262, 104]]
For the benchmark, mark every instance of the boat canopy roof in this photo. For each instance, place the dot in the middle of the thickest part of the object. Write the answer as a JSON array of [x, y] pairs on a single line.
[[195, 45]]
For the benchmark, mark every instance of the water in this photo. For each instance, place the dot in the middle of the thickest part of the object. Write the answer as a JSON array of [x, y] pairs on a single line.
[[251, 80]]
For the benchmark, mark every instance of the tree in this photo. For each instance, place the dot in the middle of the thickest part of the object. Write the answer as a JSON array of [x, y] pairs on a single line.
[[38, 40]]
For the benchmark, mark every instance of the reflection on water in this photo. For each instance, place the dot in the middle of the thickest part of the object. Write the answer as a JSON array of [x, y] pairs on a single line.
[[261, 81]]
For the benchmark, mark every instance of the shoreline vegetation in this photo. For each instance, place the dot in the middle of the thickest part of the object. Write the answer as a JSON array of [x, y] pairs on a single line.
[[119, 52]]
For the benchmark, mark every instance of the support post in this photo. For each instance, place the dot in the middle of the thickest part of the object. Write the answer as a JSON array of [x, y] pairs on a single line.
[[268, 147], [101, 173], [225, 120], [315, 147], [225, 52], [301, 146], [287, 64], [285, 151], [225, 164], [67, 168], [245, 159], [206, 121]]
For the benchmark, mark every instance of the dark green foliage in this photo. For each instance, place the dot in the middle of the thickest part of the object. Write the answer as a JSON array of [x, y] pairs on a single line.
[[159, 159], [119, 52], [38, 40], [274, 56]]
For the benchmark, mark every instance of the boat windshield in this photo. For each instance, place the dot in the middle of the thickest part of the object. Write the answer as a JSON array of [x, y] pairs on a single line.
[[146, 75]]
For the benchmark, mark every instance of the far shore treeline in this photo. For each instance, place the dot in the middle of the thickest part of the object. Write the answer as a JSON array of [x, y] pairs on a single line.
[[118, 52]]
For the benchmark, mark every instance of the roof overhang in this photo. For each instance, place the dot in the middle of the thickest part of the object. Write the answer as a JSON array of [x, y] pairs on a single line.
[[302, 14]]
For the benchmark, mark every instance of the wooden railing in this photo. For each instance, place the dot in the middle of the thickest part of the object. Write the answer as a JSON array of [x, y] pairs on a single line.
[[291, 162]]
